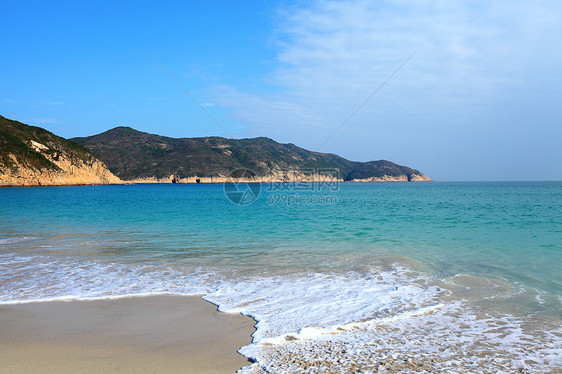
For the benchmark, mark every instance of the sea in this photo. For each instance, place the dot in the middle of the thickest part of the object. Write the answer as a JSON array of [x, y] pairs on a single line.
[[438, 277]]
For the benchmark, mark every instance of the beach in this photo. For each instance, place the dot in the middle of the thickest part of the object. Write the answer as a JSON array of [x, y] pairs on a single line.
[[437, 277], [145, 334]]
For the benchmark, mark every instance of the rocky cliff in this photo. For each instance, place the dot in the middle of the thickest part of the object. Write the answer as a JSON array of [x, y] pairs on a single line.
[[32, 156]]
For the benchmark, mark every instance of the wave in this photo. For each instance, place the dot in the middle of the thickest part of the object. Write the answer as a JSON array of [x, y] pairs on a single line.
[[16, 239], [390, 319]]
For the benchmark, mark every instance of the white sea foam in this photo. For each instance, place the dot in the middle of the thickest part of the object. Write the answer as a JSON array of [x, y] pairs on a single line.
[[287, 304], [390, 319], [439, 340], [15, 239], [32, 278]]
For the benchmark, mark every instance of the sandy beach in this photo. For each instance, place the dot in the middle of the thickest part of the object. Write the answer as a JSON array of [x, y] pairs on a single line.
[[151, 334]]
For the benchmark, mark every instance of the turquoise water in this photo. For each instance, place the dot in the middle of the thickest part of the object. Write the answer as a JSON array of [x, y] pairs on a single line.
[[373, 250]]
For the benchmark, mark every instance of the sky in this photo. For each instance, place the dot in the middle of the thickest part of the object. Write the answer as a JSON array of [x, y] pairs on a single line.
[[460, 90]]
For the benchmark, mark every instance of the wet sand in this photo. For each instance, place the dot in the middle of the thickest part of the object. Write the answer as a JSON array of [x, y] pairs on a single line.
[[151, 334]]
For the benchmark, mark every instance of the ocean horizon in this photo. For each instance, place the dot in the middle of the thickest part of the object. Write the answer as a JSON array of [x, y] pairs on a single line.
[[347, 277]]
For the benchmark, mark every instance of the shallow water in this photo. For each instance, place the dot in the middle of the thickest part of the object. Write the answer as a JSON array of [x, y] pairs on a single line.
[[440, 277]]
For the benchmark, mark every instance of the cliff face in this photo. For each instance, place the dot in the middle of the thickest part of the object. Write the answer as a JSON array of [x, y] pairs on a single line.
[[384, 171], [139, 157], [70, 173], [32, 156], [387, 178]]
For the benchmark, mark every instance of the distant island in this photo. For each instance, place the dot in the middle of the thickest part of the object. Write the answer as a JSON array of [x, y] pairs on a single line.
[[32, 156]]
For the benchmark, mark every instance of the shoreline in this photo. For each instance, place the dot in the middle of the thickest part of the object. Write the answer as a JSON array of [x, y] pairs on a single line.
[[216, 181], [141, 334]]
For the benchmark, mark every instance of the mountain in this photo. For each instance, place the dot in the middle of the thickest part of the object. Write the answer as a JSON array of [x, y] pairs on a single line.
[[139, 156], [32, 156]]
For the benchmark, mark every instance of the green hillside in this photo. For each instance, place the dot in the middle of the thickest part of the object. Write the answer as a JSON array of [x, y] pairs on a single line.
[[132, 154], [16, 147]]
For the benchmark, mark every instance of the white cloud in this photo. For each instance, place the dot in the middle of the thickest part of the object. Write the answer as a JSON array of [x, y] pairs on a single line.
[[44, 121], [472, 56]]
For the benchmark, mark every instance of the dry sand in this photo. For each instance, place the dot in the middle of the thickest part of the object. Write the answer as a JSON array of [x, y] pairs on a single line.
[[151, 334]]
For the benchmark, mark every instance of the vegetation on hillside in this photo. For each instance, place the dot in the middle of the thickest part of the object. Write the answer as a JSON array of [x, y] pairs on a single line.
[[16, 143], [132, 154]]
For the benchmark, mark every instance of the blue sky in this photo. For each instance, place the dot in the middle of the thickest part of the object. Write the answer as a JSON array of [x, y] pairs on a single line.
[[480, 99]]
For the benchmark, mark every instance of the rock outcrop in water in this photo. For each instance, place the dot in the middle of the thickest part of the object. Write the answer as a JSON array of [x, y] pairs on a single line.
[[146, 158], [32, 156]]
